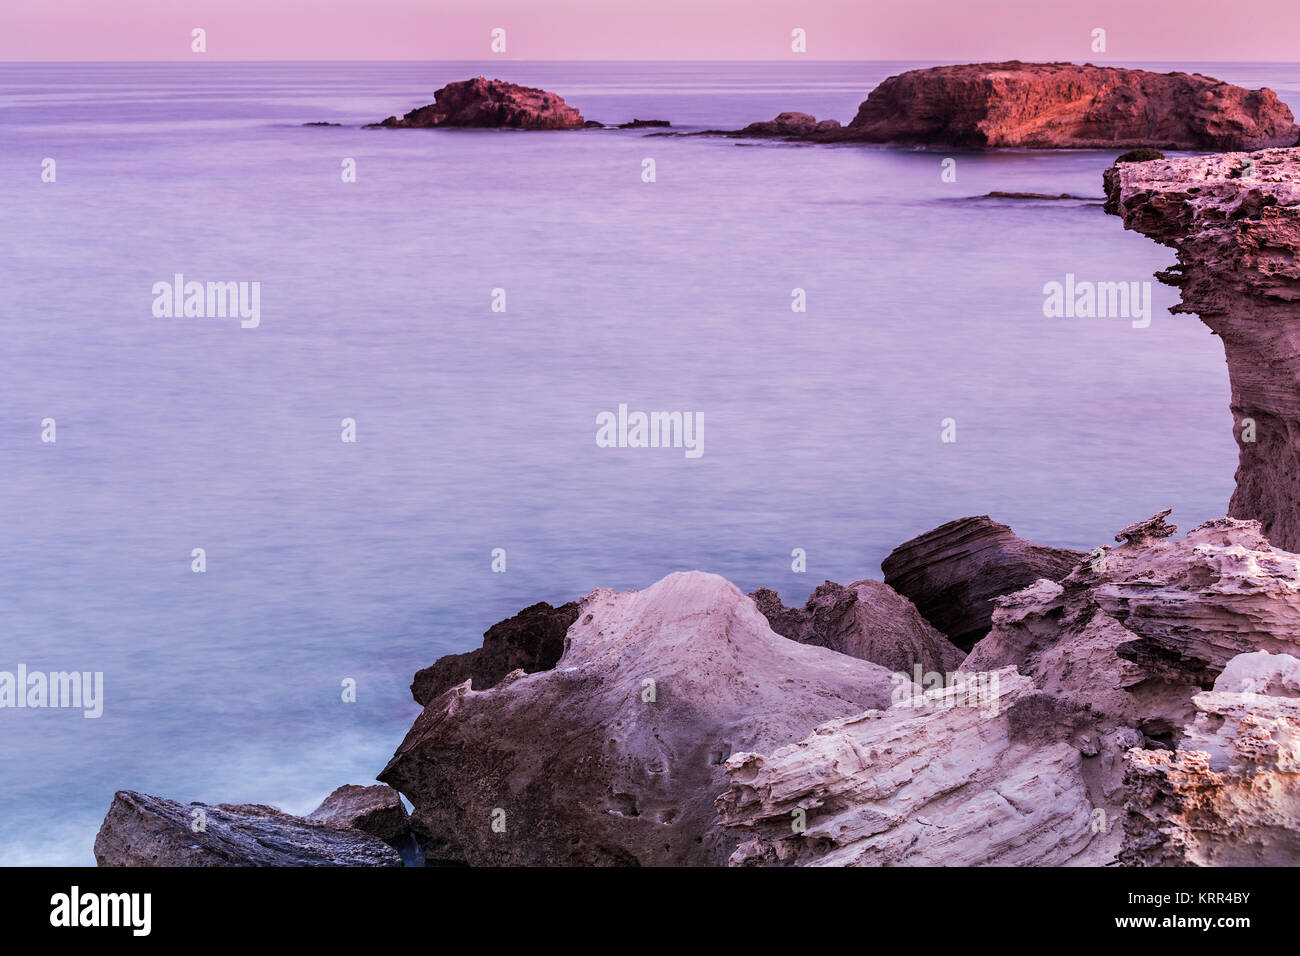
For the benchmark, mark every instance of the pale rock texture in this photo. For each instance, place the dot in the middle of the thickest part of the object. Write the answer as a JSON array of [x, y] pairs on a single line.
[[867, 620], [1139, 628], [616, 754], [1230, 794], [992, 779], [1234, 221], [141, 830], [953, 572], [1068, 106]]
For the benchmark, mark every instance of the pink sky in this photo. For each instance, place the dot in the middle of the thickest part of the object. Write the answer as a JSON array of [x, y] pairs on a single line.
[[933, 30]]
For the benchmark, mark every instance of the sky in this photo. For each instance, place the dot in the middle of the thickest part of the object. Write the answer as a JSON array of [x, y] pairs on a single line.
[[933, 30]]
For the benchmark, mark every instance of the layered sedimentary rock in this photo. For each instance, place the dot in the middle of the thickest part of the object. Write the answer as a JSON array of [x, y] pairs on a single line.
[[375, 810], [140, 830], [481, 102], [1234, 221], [1138, 629], [1066, 106], [530, 641], [1030, 758], [616, 754], [1230, 794], [953, 573], [993, 777], [867, 620]]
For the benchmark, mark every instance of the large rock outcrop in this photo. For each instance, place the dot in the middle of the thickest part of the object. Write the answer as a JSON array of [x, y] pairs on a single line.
[[953, 573], [140, 830], [867, 620], [1116, 656], [481, 102], [1138, 629], [532, 640], [1234, 221], [993, 777], [615, 755], [1230, 794], [1066, 106]]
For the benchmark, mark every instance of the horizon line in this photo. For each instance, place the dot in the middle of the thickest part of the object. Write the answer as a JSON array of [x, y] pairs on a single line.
[[787, 60]]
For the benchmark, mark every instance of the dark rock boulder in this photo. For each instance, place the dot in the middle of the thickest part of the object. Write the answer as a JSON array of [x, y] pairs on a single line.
[[376, 810], [953, 573], [790, 124], [867, 620], [1139, 156], [532, 640], [141, 830]]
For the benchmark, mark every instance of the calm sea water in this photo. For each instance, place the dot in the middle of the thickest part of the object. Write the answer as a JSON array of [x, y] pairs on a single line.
[[328, 561]]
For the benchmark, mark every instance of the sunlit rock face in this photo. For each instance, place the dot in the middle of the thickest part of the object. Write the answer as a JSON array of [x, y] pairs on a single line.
[[1067, 106]]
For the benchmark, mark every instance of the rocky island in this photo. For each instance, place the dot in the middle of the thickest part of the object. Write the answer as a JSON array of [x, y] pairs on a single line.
[[491, 104], [1049, 106], [977, 105], [1067, 106]]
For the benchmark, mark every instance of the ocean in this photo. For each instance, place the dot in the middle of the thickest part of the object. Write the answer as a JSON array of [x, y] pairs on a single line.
[[331, 564]]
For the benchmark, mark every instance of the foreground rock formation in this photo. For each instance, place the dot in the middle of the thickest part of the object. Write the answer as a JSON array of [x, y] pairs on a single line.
[[1230, 794], [1138, 629], [616, 754], [141, 830], [867, 620], [481, 102], [1026, 755], [1234, 221], [966, 779], [953, 573], [1157, 683], [1066, 106]]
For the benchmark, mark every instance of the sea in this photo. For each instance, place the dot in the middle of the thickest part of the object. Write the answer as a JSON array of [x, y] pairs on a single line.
[[860, 331]]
